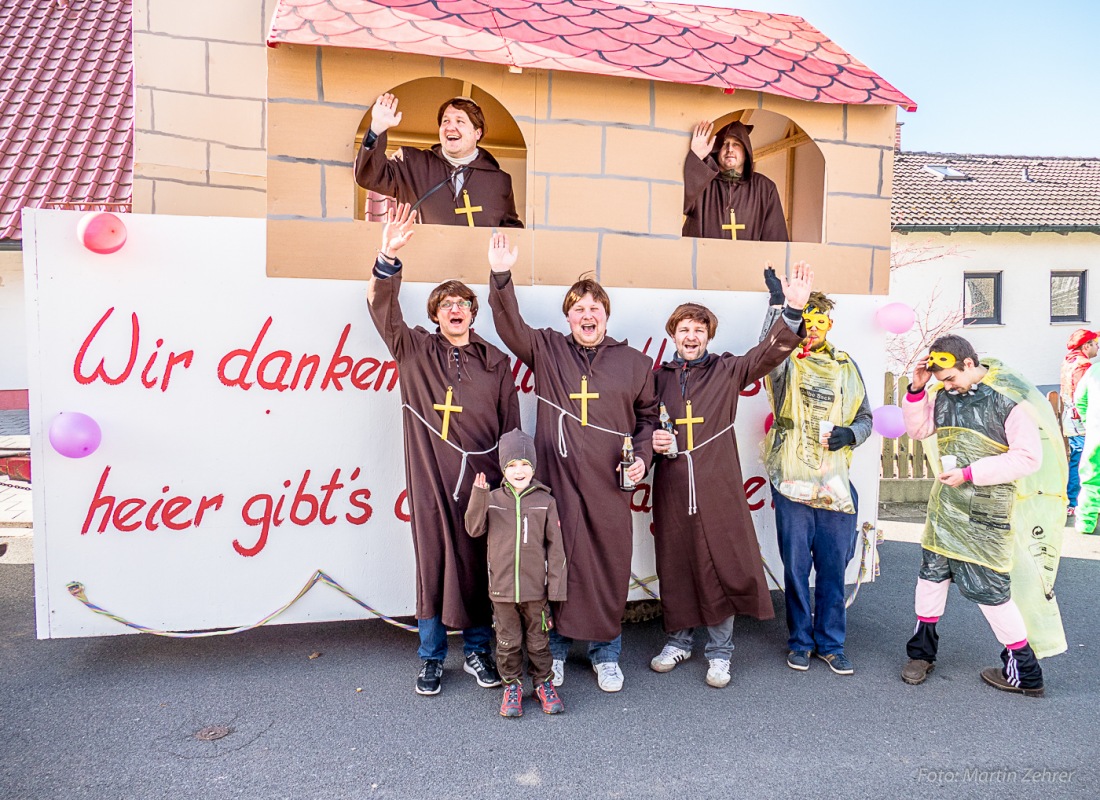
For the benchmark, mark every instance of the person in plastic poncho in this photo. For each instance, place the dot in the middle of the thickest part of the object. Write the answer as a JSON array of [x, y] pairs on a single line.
[[996, 512], [1088, 389], [821, 414], [1082, 347]]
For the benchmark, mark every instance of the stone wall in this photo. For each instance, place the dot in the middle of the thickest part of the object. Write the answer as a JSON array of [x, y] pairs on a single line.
[[200, 75], [603, 185]]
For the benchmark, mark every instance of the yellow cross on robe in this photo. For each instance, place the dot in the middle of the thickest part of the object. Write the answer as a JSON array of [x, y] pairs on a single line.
[[469, 210], [584, 397], [447, 408], [690, 421], [733, 227]]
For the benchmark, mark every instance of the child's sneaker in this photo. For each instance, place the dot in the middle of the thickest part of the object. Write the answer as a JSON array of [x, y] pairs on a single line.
[[548, 696], [512, 704], [609, 676]]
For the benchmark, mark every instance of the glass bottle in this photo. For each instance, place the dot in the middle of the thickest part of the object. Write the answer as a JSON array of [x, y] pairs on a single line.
[[626, 461]]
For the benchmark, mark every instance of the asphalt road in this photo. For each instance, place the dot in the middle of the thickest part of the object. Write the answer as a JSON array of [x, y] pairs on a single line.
[[115, 717]]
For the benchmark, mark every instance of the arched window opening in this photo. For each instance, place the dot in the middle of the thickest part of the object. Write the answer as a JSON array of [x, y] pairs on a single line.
[[418, 103]]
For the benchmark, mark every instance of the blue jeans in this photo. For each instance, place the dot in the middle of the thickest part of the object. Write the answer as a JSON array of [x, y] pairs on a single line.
[[433, 639], [826, 541], [598, 652], [1073, 488]]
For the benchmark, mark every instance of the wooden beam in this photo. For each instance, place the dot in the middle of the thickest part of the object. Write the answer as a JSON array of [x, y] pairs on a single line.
[[780, 146]]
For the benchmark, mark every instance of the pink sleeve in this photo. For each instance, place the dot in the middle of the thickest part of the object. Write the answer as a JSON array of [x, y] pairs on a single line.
[[1024, 456], [917, 410]]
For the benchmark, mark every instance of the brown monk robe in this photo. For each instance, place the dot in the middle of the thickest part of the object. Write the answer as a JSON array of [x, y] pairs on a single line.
[[411, 174], [710, 195], [709, 562], [596, 523], [451, 568]]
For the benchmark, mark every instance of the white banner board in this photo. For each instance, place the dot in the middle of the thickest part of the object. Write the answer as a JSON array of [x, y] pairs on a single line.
[[252, 426]]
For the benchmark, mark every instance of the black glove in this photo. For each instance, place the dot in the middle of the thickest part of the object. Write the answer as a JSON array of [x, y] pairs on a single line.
[[841, 437], [775, 287]]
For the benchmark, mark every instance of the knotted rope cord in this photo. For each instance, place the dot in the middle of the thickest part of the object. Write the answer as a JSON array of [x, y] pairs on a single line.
[[562, 449], [465, 455], [692, 508], [76, 589]]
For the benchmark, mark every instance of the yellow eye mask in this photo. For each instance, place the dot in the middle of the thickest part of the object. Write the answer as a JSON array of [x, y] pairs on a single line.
[[816, 319], [941, 360]]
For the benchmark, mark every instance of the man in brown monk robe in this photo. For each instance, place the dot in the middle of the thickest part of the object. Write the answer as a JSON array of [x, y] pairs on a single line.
[[724, 196], [453, 183], [592, 391], [458, 398], [708, 558]]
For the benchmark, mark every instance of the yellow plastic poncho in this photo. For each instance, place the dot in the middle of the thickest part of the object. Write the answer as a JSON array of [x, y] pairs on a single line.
[[822, 387], [1015, 527]]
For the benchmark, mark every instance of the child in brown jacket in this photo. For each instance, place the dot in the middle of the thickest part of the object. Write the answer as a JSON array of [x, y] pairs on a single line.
[[526, 568]]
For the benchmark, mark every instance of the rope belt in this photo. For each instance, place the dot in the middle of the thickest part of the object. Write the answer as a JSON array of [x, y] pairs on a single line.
[[465, 455], [692, 508], [562, 449]]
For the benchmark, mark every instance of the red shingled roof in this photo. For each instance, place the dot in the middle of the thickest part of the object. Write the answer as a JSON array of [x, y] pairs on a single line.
[[721, 47], [958, 192], [66, 105]]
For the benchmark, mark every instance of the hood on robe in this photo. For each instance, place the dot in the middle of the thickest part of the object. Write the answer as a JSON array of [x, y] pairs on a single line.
[[740, 132], [484, 160]]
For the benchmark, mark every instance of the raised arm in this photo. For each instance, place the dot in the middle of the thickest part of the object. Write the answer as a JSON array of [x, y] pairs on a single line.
[[385, 283], [514, 332], [698, 173], [478, 511], [787, 329], [917, 408]]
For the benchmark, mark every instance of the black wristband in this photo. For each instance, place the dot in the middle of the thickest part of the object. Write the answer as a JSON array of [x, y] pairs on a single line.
[[793, 314]]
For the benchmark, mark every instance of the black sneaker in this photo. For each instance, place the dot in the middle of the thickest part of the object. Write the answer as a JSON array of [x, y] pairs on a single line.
[[481, 666], [431, 674], [799, 660]]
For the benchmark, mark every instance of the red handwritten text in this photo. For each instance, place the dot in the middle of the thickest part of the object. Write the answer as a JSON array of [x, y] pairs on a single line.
[[149, 379], [126, 515]]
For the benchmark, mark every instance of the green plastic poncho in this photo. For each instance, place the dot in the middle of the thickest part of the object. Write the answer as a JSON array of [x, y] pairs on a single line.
[[822, 387], [1014, 527], [1088, 508]]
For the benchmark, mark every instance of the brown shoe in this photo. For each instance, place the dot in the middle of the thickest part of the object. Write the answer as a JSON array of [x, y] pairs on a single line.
[[993, 676], [916, 671]]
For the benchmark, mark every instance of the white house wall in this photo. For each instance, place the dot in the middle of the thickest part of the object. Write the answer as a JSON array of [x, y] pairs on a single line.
[[1026, 338]]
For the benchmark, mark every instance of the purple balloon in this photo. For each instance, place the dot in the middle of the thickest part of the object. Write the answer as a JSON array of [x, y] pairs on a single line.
[[75, 435], [896, 317], [889, 421]]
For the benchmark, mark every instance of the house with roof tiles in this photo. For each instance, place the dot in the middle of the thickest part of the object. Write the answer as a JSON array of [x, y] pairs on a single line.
[[589, 107], [998, 249], [255, 108]]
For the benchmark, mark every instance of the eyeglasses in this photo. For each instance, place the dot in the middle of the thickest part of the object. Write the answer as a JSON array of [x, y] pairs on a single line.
[[941, 360], [447, 305], [816, 320]]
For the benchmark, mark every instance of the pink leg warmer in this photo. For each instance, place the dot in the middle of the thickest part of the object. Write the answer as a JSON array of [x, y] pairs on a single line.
[[1007, 624], [931, 599]]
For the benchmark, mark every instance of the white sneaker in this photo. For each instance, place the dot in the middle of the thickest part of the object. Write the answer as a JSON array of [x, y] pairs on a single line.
[[558, 670], [609, 676], [669, 657], [719, 673]]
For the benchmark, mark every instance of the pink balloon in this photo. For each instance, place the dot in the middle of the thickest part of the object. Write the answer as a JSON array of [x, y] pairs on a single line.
[[896, 317], [889, 421], [75, 435], [101, 232]]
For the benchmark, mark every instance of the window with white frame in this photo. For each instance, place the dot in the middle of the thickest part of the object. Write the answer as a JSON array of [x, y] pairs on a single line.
[[1067, 296]]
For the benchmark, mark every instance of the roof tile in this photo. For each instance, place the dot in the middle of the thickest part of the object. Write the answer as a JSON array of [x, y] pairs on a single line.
[[66, 104], [698, 44], [1011, 192]]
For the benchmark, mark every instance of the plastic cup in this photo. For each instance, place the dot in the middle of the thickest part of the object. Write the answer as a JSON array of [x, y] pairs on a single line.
[[824, 428], [949, 462]]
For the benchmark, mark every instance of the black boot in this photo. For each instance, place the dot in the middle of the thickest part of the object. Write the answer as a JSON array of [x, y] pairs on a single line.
[[1021, 672], [921, 648]]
